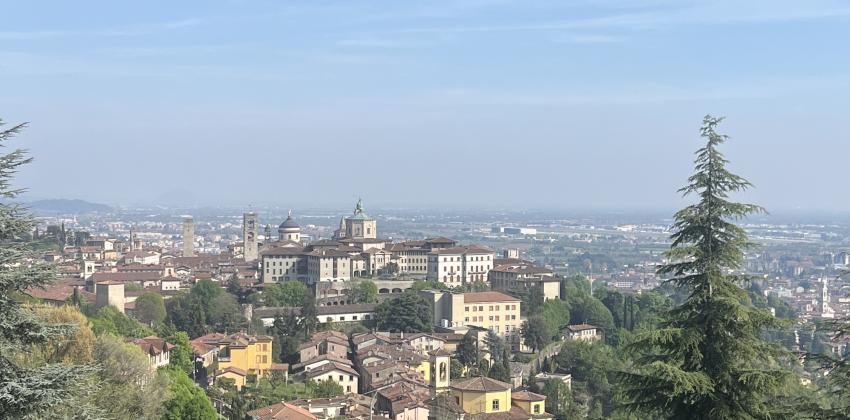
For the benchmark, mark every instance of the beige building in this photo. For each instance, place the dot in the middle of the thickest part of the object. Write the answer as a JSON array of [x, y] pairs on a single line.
[[282, 263], [110, 293], [328, 265], [494, 311], [524, 275], [460, 265]]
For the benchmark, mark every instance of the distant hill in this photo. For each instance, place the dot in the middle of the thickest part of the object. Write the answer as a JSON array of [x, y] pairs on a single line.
[[62, 205]]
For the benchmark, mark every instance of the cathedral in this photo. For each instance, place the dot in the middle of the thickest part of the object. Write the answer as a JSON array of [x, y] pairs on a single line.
[[357, 226]]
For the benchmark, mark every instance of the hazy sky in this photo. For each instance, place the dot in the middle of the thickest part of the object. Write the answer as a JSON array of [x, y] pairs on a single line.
[[522, 104]]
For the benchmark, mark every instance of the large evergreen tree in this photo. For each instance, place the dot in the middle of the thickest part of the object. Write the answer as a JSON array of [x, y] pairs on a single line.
[[707, 360], [25, 390]]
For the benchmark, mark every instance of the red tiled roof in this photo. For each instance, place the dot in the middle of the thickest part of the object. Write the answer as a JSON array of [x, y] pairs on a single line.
[[481, 384], [281, 410]]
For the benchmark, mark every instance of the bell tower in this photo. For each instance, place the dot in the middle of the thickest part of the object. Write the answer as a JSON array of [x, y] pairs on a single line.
[[440, 371]]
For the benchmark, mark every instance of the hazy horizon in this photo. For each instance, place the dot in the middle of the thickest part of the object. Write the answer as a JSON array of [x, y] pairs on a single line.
[[450, 104]]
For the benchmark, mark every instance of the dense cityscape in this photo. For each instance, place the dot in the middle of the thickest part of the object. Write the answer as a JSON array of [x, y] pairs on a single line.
[[440, 210], [482, 281]]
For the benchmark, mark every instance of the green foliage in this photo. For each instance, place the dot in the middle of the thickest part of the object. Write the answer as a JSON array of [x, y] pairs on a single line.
[[226, 314], [130, 388], [455, 369], [364, 292], [534, 300], [499, 373], [309, 315], [286, 331], [535, 333], [707, 360], [181, 354], [559, 401], [150, 309], [207, 307], [289, 294], [325, 389], [187, 313], [242, 294], [31, 391], [467, 351], [556, 314], [186, 400], [420, 285], [406, 313], [593, 367], [108, 320], [133, 287], [476, 286]]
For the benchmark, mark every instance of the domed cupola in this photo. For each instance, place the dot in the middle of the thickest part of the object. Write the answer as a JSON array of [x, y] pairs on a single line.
[[289, 230]]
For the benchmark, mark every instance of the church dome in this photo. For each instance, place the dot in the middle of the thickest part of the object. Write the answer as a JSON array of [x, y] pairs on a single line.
[[289, 225]]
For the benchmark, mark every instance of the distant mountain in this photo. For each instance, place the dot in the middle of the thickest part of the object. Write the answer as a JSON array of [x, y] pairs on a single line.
[[65, 206]]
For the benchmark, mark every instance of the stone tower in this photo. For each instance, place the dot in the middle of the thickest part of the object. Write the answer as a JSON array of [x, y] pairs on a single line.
[[110, 293], [188, 236], [440, 370], [249, 236]]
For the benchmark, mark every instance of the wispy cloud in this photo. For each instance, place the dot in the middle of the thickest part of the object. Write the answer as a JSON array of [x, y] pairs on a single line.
[[120, 31], [637, 94], [588, 39], [382, 43], [708, 13]]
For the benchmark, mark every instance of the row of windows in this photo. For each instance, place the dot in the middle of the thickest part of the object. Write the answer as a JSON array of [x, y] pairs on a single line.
[[489, 308], [458, 259], [353, 318], [492, 318]]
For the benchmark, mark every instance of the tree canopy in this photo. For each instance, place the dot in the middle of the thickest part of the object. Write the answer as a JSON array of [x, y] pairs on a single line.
[[406, 313], [150, 309], [290, 294], [35, 389], [707, 360]]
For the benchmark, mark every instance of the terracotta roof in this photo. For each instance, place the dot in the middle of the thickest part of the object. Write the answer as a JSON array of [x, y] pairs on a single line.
[[440, 352], [481, 384], [483, 297], [328, 356], [151, 345], [231, 369], [330, 367], [527, 396], [57, 292], [281, 410], [581, 327], [126, 276]]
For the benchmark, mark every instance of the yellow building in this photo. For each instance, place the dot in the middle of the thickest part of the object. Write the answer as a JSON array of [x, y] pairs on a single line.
[[253, 354], [482, 395], [531, 403], [486, 398]]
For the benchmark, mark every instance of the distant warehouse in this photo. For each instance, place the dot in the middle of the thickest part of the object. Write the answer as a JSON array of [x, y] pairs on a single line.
[[507, 230]]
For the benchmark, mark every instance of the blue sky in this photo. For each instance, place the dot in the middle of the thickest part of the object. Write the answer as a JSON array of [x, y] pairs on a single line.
[[521, 104]]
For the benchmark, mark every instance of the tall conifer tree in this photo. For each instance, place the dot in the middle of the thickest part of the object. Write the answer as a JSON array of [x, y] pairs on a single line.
[[707, 359], [25, 390]]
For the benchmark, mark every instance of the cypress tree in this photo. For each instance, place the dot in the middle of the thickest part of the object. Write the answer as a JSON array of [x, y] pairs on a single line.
[[707, 360], [25, 390]]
